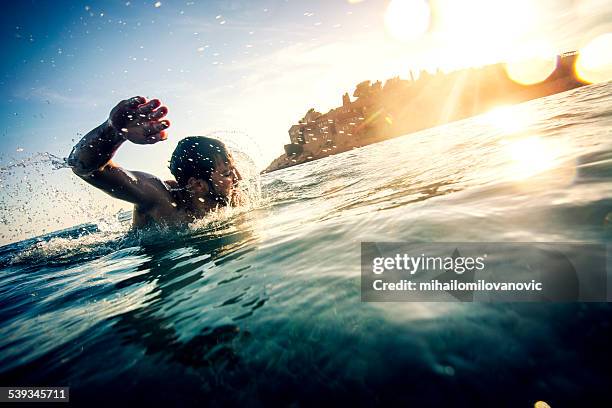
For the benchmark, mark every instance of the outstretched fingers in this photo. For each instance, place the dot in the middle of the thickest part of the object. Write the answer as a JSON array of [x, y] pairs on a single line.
[[148, 107], [155, 131], [158, 114], [135, 101], [157, 137]]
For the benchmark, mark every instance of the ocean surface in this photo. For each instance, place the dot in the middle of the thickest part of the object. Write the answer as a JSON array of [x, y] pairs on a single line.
[[262, 305]]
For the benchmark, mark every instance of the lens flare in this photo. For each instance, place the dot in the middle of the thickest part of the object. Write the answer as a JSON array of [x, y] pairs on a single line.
[[407, 20], [530, 71], [532, 63], [594, 62]]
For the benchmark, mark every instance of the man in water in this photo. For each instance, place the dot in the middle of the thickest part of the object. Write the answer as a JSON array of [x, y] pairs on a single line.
[[203, 167]]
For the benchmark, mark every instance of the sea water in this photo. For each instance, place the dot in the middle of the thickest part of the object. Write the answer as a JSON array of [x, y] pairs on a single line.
[[263, 305]]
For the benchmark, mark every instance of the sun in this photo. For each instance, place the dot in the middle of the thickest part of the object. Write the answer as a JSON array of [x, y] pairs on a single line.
[[480, 32], [407, 20]]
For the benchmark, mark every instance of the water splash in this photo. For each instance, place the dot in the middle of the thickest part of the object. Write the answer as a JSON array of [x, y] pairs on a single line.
[[69, 250], [40, 196], [31, 185], [56, 162]]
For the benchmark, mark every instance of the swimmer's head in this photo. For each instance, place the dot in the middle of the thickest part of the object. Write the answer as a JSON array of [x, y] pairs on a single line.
[[204, 166]]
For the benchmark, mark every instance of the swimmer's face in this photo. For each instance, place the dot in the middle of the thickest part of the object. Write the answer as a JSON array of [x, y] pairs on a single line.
[[225, 178], [223, 181]]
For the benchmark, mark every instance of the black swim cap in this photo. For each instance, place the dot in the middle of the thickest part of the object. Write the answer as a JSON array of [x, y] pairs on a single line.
[[197, 156]]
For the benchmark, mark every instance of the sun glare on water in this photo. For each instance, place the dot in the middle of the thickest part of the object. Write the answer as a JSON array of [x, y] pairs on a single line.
[[529, 156], [507, 119]]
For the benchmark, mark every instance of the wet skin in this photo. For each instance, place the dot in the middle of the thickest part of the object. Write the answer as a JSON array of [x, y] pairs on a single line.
[[155, 201]]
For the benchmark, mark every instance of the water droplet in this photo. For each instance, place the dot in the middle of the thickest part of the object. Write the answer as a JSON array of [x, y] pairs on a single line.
[[157, 4]]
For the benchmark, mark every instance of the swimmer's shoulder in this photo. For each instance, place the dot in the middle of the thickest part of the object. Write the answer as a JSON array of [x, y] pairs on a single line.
[[158, 193], [168, 208]]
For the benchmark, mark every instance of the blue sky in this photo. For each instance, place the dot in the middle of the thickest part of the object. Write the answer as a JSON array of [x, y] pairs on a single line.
[[246, 70]]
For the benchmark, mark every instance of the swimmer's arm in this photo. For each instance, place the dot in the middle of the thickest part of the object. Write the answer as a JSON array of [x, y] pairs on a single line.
[[137, 187], [95, 150], [135, 120]]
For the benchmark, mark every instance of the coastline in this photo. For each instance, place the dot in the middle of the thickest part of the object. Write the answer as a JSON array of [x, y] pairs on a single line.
[[400, 107]]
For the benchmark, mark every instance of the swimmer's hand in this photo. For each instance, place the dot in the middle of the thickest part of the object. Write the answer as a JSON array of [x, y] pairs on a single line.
[[139, 120]]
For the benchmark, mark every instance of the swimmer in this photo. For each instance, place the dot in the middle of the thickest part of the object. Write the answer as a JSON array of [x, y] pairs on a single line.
[[203, 168]]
